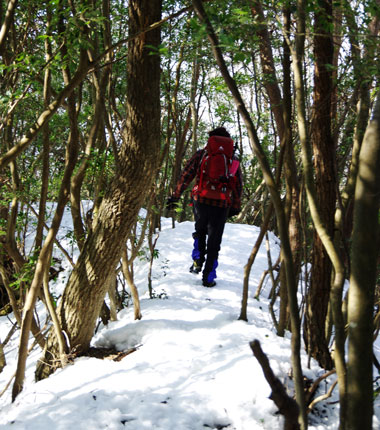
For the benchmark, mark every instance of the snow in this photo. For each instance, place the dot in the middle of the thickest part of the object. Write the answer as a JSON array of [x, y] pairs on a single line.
[[192, 367]]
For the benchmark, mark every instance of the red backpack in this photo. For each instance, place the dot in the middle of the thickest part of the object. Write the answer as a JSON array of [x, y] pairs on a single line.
[[217, 170]]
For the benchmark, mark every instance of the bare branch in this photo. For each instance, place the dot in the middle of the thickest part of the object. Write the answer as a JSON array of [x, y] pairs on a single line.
[[287, 406]]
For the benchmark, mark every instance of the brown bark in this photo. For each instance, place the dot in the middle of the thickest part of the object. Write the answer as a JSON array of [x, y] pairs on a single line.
[[77, 180], [247, 268], [46, 138], [281, 108], [128, 275], [337, 284], [100, 81], [362, 72], [268, 67], [287, 406], [3, 362], [130, 253], [292, 209], [8, 19], [11, 215], [83, 296], [42, 264], [12, 253], [324, 154]]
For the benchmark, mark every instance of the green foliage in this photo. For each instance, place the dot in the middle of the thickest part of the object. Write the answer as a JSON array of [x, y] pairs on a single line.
[[144, 254], [376, 389], [184, 44], [162, 50], [25, 276]]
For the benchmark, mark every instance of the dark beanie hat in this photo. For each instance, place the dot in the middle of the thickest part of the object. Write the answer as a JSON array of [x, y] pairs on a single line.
[[220, 131]]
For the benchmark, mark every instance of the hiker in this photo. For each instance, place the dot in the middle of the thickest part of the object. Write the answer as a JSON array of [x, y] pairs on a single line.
[[215, 197]]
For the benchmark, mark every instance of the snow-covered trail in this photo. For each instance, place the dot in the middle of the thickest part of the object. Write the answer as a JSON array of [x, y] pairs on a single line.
[[192, 369]]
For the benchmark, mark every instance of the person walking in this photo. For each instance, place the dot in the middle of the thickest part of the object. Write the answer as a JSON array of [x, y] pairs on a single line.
[[216, 196]]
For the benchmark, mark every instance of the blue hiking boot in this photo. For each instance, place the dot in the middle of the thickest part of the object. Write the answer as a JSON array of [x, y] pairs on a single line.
[[209, 276]]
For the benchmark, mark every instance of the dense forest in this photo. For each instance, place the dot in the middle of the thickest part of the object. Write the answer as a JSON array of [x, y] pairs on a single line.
[[105, 100]]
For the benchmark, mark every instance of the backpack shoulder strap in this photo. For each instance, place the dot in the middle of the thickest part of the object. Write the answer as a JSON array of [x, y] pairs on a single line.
[[201, 164]]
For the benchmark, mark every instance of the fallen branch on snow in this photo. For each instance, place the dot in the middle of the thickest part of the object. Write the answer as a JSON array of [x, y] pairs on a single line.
[[287, 406]]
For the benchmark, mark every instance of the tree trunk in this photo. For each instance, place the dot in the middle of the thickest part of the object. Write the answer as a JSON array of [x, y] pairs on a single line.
[[7, 23], [42, 265], [363, 279], [281, 108], [3, 361], [83, 296], [337, 284], [292, 209], [128, 275], [324, 155], [247, 268], [46, 139]]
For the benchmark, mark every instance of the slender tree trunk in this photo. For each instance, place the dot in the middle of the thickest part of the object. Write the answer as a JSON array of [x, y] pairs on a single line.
[[318, 294], [292, 209], [46, 138], [247, 268], [84, 294], [337, 284], [11, 294], [42, 262], [3, 361], [128, 275], [364, 256], [100, 81], [112, 286], [362, 72], [10, 242], [76, 183], [8, 19], [281, 108], [53, 314]]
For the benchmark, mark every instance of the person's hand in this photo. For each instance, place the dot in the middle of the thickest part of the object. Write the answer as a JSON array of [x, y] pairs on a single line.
[[171, 203], [233, 211]]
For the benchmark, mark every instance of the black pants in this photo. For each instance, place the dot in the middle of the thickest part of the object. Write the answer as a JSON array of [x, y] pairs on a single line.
[[209, 227]]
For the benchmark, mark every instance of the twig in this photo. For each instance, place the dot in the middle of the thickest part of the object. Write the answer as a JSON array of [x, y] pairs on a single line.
[[10, 334], [316, 383], [323, 397], [11, 379]]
